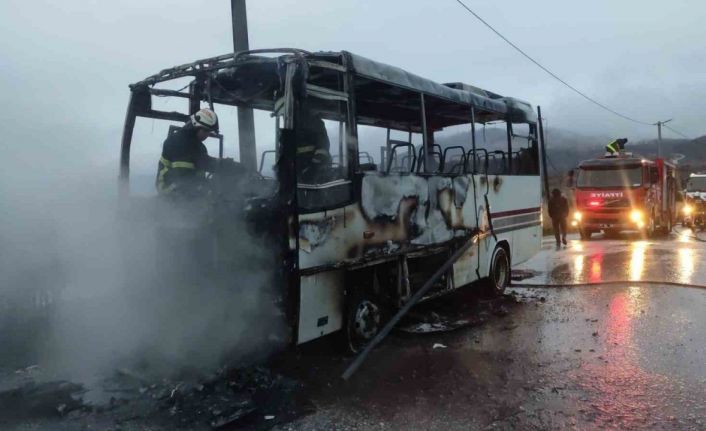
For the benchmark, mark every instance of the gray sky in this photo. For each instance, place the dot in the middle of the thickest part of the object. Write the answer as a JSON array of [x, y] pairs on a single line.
[[66, 65]]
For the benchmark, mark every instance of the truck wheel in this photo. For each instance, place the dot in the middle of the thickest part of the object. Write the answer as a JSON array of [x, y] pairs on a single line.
[[363, 322], [668, 225], [584, 234], [499, 277]]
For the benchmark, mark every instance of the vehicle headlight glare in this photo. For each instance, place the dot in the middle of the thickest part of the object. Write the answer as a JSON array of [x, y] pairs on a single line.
[[688, 209], [636, 216], [577, 216]]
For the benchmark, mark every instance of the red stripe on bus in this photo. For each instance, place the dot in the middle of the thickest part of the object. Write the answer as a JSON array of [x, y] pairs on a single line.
[[516, 212]]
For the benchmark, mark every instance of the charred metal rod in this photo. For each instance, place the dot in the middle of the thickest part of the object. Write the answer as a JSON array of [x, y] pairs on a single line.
[[358, 361]]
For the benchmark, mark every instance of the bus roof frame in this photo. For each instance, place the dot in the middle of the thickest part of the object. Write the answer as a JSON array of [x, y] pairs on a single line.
[[453, 104], [216, 69]]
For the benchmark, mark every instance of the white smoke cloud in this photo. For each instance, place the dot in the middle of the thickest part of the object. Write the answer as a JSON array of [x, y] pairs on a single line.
[[120, 299]]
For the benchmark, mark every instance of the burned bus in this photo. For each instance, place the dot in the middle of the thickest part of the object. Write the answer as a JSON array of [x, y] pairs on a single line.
[[356, 238]]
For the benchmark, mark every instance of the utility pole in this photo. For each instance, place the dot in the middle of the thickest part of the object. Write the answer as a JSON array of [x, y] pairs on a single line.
[[246, 120], [659, 125]]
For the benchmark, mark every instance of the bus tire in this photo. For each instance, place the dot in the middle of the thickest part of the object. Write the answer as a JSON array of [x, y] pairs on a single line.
[[500, 271], [363, 321]]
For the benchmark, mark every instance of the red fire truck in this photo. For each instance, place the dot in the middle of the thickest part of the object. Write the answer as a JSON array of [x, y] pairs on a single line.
[[624, 192]]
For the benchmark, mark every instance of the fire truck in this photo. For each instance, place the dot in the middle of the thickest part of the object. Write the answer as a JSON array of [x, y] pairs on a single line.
[[622, 192], [694, 209]]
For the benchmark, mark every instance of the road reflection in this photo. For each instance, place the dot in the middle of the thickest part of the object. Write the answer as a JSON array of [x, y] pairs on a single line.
[[686, 264], [622, 389], [596, 268], [578, 268], [626, 368], [639, 260]]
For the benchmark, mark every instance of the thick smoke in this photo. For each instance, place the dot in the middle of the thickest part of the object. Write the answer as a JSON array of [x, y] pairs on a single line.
[[89, 285]]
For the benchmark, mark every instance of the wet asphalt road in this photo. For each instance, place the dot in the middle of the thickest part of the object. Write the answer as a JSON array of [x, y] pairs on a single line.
[[598, 357]]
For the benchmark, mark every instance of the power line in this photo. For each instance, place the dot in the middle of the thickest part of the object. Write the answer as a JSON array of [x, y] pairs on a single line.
[[551, 165], [552, 74], [676, 131]]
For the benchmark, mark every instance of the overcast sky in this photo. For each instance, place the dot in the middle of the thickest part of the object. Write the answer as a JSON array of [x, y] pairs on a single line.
[[66, 64]]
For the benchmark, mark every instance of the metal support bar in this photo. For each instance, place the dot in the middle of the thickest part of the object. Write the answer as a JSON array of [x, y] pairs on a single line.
[[326, 93], [388, 145], [358, 361], [327, 65], [162, 115], [473, 138], [509, 147], [246, 119], [160, 92], [128, 129], [196, 93], [542, 149], [424, 134], [404, 290]]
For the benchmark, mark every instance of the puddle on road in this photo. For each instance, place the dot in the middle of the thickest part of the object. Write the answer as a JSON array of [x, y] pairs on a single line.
[[611, 260], [640, 263]]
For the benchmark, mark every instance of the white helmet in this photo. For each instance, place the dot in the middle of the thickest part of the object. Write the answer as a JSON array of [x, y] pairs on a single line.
[[205, 119]]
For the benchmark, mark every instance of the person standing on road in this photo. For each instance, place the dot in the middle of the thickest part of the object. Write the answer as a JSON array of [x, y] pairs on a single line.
[[558, 211]]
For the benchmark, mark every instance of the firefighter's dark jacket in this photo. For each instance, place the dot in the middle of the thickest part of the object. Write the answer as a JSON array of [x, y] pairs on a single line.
[[183, 163], [558, 207]]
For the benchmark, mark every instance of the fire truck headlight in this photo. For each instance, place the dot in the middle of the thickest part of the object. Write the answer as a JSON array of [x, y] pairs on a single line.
[[577, 216], [636, 216], [688, 209]]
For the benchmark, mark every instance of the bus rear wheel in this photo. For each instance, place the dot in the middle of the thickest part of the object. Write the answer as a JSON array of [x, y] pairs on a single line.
[[499, 277], [363, 322]]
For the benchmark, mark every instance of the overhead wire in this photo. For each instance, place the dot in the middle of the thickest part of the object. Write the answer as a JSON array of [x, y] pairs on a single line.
[[675, 131], [551, 165], [552, 74]]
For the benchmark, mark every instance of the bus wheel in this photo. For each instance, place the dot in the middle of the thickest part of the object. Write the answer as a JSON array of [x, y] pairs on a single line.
[[584, 234], [363, 322], [499, 277]]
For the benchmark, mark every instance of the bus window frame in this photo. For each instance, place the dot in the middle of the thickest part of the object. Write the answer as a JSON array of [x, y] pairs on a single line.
[[349, 143]]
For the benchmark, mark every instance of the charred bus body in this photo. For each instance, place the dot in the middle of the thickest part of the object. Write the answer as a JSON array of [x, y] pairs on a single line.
[[357, 239]]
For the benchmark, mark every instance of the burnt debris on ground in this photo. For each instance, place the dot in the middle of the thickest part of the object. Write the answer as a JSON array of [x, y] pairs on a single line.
[[460, 310], [255, 397], [250, 398]]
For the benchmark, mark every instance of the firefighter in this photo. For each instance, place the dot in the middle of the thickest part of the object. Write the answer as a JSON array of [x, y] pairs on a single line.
[[558, 211], [313, 157], [185, 160], [616, 145]]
